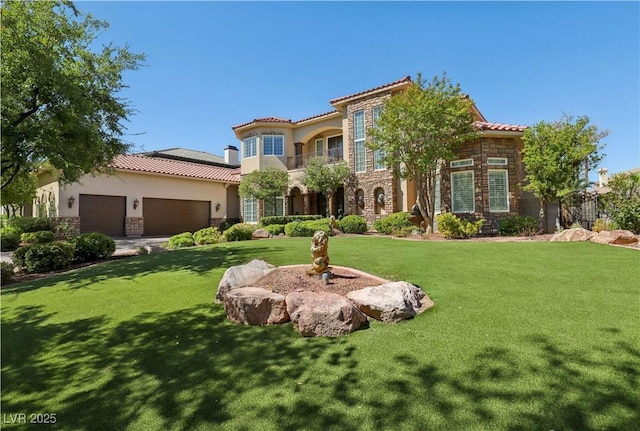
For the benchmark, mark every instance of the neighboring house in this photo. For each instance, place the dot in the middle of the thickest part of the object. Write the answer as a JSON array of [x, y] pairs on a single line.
[[152, 194], [481, 181]]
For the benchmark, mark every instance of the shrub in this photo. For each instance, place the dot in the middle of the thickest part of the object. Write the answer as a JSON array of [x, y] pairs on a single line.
[[208, 235], [275, 229], [452, 227], [517, 225], [30, 224], [6, 272], [352, 224], [40, 237], [626, 214], [601, 224], [407, 231], [181, 240], [93, 246], [307, 228], [240, 232], [44, 257], [269, 220], [395, 221], [9, 239]]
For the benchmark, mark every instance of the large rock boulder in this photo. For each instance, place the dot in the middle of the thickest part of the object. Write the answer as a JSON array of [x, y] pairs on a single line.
[[323, 314], [391, 302], [255, 306], [260, 233], [242, 276], [570, 235], [620, 237]]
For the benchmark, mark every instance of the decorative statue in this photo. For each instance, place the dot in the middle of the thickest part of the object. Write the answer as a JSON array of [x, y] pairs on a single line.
[[319, 257]]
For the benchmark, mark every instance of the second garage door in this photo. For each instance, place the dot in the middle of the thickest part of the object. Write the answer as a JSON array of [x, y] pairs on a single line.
[[171, 216]]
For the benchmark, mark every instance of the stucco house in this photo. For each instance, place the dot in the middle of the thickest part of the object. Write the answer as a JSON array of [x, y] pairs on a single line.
[[152, 194], [480, 182]]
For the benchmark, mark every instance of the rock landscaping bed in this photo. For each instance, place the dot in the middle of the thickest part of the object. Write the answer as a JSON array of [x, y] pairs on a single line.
[[260, 294]]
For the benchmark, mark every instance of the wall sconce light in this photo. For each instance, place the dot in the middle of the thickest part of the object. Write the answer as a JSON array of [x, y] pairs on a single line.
[[136, 203], [381, 199], [71, 201], [218, 206]]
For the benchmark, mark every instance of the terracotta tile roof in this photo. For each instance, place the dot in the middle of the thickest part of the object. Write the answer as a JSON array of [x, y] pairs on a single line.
[[130, 162], [324, 114], [263, 120], [185, 153], [483, 125], [405, 80]]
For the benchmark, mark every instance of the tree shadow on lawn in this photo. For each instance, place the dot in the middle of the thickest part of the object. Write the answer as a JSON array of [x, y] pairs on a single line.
[[192, 368], [183, 367], [199, 260], [558, 388]]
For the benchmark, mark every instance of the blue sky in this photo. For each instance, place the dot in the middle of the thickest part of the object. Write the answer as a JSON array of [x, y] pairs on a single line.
[[212, 65]]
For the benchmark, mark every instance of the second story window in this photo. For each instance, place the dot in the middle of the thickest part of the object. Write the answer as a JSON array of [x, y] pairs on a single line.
[[319, 147], [249, 148], [358, 141], [273, 145], [378, 155], [334, 146]]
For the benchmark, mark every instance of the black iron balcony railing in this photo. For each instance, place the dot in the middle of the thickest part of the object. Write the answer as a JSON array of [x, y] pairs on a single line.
[[298, 162]]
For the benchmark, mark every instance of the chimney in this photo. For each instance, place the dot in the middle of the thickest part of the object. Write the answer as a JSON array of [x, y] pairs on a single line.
[[231, 155], [603, 177]]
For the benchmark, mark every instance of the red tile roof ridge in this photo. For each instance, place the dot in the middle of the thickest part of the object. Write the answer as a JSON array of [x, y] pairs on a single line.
[[264, 120], [313, 117], [138, 163], [404, 80], [485, 125]]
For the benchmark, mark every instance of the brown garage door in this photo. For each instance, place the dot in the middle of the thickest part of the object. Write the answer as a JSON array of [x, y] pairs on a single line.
[[104, 214], [171, 216]]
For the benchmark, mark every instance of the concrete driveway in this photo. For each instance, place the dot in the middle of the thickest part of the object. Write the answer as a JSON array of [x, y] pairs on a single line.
[[124, 246]]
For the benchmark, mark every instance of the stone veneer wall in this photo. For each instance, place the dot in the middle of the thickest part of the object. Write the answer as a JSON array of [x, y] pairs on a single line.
[[73, 222], [370, 180], [480, 150], [133, 226]]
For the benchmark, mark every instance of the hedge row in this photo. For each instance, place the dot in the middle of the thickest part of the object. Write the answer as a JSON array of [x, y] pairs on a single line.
[[266, 221], [54, 255]]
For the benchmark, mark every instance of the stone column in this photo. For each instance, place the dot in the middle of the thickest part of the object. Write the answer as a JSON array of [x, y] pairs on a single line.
[[307, 204]]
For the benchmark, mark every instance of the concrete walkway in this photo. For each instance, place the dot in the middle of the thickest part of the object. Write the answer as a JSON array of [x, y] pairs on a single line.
[[124, 246]]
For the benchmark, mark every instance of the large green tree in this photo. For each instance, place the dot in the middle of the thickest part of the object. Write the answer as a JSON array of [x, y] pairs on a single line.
[[558, 157], [322, 177], [266, 185], [61, 97], [421, 128]]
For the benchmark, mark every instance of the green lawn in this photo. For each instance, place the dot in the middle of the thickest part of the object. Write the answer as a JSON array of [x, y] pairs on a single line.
[[524, 336]]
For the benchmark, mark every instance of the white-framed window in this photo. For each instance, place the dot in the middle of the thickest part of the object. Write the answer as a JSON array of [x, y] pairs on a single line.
[[249, 147], [250, 210], [377, 154], [273, 145], [272, 208], [498, 190], [319, 147], [358, 141], [501, 161], [462, 192], [463, 163]]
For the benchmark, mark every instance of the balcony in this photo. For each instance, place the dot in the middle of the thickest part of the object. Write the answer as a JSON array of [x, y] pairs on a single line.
[[332, 156]]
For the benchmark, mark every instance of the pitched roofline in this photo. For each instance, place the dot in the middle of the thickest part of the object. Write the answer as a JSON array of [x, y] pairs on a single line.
[[319, 117], [267, 120], [386, 87]]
